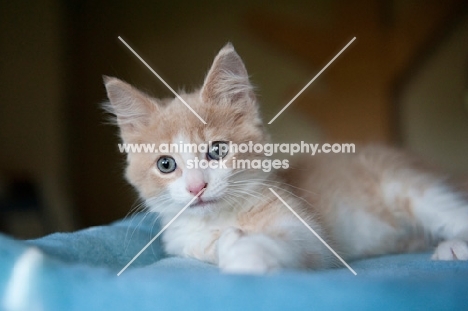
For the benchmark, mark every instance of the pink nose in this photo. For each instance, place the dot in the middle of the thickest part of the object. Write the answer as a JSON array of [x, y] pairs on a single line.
[[195, 188]]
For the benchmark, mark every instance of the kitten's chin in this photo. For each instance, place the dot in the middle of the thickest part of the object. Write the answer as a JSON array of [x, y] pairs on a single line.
[[207, 207], [200, 207], [204, 203]]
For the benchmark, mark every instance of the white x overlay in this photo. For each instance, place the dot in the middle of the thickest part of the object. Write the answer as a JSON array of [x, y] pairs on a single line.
[[313, 79], [160, 232], [194, 198], [313, 231], [162, 80]]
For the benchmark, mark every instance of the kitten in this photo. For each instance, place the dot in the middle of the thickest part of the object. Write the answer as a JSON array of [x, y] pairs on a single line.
[[377, 201]]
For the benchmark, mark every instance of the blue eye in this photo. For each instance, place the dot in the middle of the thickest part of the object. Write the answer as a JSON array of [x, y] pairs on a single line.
[[218, 150], [166, 164]]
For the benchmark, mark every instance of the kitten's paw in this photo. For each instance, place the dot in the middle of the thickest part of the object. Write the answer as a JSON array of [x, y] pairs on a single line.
[[246, 256], [451, 250], [228, 238]]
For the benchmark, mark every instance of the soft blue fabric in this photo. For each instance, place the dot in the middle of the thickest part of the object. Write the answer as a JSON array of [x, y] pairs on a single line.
[[78, 272]]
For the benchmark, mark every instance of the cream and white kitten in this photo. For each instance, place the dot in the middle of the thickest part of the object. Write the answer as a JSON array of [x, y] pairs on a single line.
[[377, 201]]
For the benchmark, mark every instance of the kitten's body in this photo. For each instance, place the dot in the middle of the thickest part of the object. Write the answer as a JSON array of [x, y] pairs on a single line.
[[381, 201], [376, 201]]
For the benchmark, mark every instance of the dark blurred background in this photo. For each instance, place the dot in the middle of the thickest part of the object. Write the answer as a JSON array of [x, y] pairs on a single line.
[[404, 81]]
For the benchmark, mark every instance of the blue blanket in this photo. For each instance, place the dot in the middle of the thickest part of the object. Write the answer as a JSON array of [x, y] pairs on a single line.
[[78, 271]]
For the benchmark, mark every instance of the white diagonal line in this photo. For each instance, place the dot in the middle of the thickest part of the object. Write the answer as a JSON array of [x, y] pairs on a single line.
[[160, 232], [164, 82], [313, 79], [313, 231]]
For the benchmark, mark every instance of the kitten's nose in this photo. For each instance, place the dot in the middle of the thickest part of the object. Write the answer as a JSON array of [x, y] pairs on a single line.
[[195, 188]]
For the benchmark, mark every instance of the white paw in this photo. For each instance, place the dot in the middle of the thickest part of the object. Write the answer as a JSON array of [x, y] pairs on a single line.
[[228, 238], [451, 250], [245, 255]]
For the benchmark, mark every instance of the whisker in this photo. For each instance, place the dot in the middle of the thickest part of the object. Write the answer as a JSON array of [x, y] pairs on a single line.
[[160, 199], [267, 184], [278, 182]]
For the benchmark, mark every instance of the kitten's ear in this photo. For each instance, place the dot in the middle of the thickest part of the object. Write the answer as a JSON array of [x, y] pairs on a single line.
[[227, 80], [131, 107]]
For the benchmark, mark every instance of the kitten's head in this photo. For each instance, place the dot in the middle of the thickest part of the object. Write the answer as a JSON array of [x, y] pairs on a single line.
[[167, 180]]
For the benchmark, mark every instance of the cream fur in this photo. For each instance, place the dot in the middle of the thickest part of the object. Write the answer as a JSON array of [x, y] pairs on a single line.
[[377, 201]]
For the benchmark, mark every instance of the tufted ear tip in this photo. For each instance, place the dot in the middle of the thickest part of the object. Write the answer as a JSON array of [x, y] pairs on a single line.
[[108, 79], [227, 47]]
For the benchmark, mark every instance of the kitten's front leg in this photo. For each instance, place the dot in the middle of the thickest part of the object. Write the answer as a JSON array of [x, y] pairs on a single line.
[[258, 253]]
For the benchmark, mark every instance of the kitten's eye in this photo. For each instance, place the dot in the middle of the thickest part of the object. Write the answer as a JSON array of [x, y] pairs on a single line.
[[218, 150], [166, 164]]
